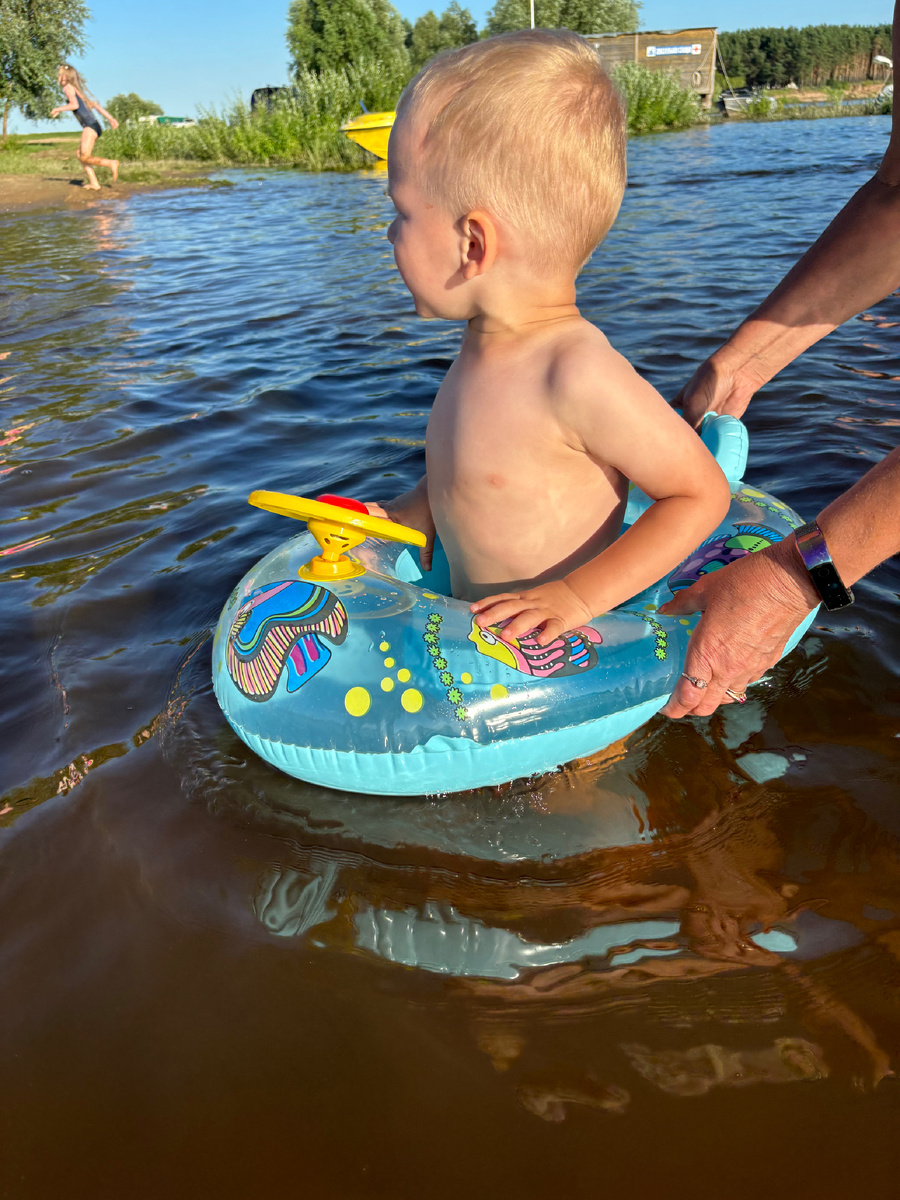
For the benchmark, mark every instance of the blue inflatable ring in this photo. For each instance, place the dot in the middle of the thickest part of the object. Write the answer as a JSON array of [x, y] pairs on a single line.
[[383, 683]]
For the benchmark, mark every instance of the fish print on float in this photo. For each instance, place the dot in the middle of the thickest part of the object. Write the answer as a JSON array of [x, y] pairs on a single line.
[[281, 625], [571, 654], [718, 552]]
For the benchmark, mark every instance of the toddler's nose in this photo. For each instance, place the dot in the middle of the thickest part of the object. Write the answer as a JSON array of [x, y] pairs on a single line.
[[391, 232]]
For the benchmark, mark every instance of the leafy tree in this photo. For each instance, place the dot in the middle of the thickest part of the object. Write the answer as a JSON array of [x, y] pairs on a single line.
[[128, 107], [458, 27], [425, 39], [582, 16], [327, 34], [35, 37], [430, 35]]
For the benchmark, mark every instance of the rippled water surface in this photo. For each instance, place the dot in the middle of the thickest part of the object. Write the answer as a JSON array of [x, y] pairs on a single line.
[[670, 971]]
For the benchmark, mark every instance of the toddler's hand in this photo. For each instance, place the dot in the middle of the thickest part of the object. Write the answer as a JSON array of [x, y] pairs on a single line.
[[415, 518], [375, 510], [552, 608]]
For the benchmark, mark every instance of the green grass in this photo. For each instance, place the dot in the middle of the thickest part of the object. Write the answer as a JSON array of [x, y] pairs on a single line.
[[18, 157]]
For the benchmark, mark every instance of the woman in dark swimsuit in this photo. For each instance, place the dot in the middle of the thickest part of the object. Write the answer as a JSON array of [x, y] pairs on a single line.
[[81, 103]]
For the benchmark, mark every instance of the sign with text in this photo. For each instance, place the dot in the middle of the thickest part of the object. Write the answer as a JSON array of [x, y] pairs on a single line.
[[660, 51]]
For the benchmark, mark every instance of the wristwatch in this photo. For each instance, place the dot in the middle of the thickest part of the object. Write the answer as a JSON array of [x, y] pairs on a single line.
[[825, 579]]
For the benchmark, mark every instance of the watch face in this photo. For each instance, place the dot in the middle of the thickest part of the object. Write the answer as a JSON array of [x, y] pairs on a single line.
[[829, 586]]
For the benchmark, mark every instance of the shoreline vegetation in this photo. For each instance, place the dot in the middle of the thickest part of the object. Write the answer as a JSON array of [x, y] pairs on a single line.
[[302, 130]]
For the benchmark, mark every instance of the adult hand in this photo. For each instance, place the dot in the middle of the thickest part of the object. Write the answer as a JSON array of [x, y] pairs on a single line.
[[750, 609], [552, 608], [54, 112], [113, 123], [716, 386]]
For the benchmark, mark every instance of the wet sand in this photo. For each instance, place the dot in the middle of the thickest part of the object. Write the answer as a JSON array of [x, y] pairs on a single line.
[[22, 192]]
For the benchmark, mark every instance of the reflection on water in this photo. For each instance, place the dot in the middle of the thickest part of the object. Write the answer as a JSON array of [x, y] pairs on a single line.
[[594, 977]]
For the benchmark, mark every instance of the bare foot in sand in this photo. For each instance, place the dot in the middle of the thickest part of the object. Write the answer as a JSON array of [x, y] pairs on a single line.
[[91, 187]]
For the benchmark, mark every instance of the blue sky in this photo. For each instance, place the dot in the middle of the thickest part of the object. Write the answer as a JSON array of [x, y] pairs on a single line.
[[182, 53]]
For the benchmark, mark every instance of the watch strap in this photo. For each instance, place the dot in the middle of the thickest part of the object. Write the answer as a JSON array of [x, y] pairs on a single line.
[[813, 551]]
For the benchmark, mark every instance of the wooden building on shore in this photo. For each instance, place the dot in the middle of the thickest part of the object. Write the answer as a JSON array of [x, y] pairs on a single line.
[[689, 53]]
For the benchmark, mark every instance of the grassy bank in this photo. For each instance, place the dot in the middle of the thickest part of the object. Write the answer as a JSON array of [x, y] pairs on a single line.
[[52, 157]]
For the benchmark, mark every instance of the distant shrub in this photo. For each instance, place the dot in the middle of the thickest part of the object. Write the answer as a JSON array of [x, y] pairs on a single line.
[[128, 107], [655, 99], [761, 107]]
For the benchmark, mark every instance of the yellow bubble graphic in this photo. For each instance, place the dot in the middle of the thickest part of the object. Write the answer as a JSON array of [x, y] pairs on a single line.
[[465, 677], [429, 595], [384, 646], [650, 608], [403, 675], [412, 700], [751, 492], [388, 662], [499, 692], [387, 685], [357, 702]]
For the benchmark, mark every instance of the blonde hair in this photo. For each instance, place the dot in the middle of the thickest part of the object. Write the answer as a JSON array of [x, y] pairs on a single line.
[[72, 77], [529, 127]]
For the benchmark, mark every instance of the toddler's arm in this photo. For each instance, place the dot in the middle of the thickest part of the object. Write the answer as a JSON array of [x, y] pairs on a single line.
[[622, 422], [412, 509]]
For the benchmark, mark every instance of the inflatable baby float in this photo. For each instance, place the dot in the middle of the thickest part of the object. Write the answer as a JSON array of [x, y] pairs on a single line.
[[359, 671]]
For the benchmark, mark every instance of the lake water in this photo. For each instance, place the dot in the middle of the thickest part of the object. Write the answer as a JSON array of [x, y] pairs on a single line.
[[672, 970]]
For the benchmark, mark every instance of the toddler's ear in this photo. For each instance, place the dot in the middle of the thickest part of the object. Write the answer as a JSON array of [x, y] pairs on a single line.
[[479, 243]]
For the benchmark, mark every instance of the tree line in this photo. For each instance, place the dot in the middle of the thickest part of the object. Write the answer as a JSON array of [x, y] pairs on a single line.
[[333, 34], [815, 54]]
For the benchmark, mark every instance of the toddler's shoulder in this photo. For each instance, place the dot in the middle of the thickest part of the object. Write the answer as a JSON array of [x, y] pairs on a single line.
[[583, 361]]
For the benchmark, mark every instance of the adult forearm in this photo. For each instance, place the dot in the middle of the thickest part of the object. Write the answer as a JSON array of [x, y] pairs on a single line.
[[862, 527], [854, 264], [752, 607]]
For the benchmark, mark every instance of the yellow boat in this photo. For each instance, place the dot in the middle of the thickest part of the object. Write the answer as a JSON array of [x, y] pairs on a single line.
[[371, 131]]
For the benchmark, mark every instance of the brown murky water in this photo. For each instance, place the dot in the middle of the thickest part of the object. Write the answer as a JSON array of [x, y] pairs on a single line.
[[671, 971]]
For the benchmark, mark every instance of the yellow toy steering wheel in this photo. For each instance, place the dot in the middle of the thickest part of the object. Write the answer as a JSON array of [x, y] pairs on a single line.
[[336, 528]]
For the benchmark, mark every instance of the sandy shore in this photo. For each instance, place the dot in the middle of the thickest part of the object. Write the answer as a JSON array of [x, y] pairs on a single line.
[[62, 190]]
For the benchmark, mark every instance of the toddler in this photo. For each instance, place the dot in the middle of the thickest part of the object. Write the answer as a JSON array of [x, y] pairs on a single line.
[[507, 167]]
